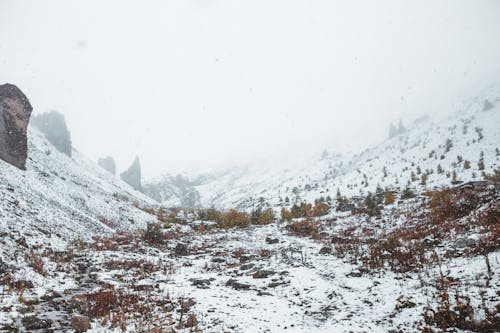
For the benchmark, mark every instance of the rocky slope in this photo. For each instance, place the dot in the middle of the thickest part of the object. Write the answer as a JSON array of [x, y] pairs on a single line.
[[58, 199]]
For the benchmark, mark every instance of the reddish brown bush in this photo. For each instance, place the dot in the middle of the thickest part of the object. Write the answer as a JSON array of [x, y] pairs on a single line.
[[305, 228], [35, 260], [102, 302], [456, 312]]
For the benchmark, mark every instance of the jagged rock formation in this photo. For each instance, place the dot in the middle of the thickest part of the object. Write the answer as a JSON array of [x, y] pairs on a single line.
[[15, 112], [395, 131], [53, 126], [488, 105], [108, 164], [133, 175]]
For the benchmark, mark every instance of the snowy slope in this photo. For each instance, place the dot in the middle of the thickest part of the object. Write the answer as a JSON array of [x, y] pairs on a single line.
[[420, 150], [58, 198]]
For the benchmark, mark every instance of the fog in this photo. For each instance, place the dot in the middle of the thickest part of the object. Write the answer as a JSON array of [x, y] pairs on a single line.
[[197, 83]]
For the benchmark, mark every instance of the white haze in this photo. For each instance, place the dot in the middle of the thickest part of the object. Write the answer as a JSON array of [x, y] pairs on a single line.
[[195, 83]]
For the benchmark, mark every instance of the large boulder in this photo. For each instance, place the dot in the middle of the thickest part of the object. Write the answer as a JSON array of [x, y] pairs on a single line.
[[108, 164], [15, 112], [133, 175], [53, 126]]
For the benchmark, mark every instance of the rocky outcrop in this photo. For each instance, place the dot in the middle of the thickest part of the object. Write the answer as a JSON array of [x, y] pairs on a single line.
[[15, 112], [108, 164], [53, 126], [487, 105], [133, 175]]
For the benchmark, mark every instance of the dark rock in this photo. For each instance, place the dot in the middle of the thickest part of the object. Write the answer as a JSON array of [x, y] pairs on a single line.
[[15, 112], [80, 323], [50, 296], [325, 250], [246, 267], [181, 250], [337, 239], [35, 323], [270, 240], [276, 284], [263, 274], [201, 283], [461, 243], [430, 242], [3, 267], [108, 164], [237, 285], [53, 125], [144, 286], [218, 260], [247, 258], [133, 175], [356, 273]]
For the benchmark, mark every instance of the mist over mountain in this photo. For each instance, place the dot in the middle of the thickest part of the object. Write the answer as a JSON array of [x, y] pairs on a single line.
[[414, 156]]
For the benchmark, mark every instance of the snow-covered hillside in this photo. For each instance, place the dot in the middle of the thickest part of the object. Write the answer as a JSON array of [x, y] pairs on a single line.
[[60, 198], [426, 156]]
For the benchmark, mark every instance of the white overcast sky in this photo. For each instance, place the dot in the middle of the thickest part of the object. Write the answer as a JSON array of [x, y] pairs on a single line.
[[193, 83]]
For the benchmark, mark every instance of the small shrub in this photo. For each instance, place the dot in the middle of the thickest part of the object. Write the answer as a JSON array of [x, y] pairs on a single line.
[[153, 233], [306, 228], [286, 215], [35, 260], [389, 198]]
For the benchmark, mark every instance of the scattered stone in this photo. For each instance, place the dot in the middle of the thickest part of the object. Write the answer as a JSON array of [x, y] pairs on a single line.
[[80, 323], [201, 283], [270, 240], [247, 258], [263, 274], [237, 285], [15, 112], [430, 242], [246, 267], [3, 267], [355, 273], [51, 295], [277, 284], [144, 286], [325, 250], [218, 260], [35, 323], [461, 243], [181, 250]]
